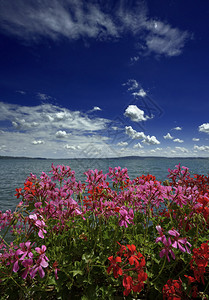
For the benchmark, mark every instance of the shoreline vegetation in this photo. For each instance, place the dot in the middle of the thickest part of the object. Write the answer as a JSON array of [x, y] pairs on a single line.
[[108, 237]]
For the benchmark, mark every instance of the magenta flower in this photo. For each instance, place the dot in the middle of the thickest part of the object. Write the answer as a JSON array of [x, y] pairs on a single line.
[[27, 263], [38, 223], [162, 237], [167, 244], [40, 263], [25, 250], [178, 242], [167, 249], [125, 217]]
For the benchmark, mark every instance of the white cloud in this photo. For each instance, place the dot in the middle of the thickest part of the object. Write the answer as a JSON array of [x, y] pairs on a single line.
[[135, 114], [61, 134], [134, 58], [138, 146], [204, 128], [195, 139], [54, 19], [122, 144], [163, 39], [132, 84], [95, 108], [43, 96], [2, 147], [21, 92], [140, 93], [201, 148], [46, 116], [39, 142], [177, 128], [133, 133], [178, 141], [150, 140], [168, 136], [72, 147], [31, 125], [182, 149]]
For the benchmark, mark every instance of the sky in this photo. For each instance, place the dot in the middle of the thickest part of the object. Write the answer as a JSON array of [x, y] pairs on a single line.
[[104, 78]]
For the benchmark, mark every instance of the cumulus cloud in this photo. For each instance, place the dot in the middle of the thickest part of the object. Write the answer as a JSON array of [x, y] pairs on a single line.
[[178, 141], [39, 142], [132, 84], [177, 128], [138, 146], [150, 140], [47, 116], [168, 136], [146, 139], [72, 147], [182, 149], [61, 134], [204, 128], [95, 108], [54, 19], [135, 114], [195, 139], [140, 93], [133, 133], [39, 125], [201, 148], [122, 144]]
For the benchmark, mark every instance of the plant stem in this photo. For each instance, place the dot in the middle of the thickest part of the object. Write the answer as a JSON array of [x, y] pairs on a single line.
[[160, 270]]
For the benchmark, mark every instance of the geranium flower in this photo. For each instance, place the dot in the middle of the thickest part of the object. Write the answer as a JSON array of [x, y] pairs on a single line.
[[114, 265], [178, 242], [40, 263]]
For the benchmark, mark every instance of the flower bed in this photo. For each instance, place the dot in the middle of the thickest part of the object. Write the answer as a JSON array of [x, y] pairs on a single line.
[[139, 239]]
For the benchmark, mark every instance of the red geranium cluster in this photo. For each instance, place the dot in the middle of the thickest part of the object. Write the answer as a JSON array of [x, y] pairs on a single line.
[[173, 290], [199, 262], [130, 264]]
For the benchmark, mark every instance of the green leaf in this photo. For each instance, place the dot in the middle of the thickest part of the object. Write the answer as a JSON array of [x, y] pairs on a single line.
[[76, 272]]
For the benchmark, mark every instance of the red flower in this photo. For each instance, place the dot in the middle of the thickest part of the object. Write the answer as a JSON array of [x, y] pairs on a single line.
[[172, 290], [29, 187], [127, 283], [127, 255], [114, 265], [200, 261], [18, 193]]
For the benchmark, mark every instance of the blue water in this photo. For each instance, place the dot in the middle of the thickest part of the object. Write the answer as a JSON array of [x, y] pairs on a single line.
[[13, 172]]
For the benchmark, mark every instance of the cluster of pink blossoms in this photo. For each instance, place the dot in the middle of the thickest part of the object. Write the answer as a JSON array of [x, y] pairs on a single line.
[[50, 202]]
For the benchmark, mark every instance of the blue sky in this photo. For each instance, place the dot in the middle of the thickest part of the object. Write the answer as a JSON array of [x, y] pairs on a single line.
[[104, 78]]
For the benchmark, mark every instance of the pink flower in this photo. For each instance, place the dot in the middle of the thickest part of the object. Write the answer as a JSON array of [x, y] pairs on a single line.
[[40, 263], [167, 249], [178, 242], [126, 217], [27, 263], [167, 244], [25, 250], [38, 223]]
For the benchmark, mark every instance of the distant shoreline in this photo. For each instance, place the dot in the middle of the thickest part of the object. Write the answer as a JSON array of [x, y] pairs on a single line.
[[121, 157]]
